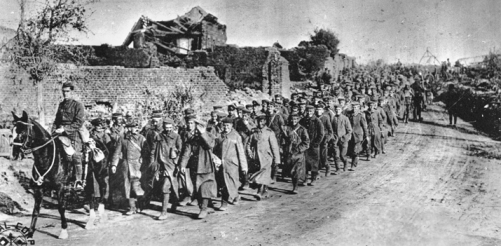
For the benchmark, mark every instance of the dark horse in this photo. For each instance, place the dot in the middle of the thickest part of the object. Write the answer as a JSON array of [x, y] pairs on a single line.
[[49, 172]]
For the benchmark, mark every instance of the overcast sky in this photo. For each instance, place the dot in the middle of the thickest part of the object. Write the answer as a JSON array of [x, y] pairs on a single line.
[[368, 30]]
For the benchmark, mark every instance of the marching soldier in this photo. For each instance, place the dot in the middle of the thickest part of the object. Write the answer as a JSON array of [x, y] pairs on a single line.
[[316, 133], [229, 148], [164, 155], [359, 125], [197, 156], [263, 151], [324, 146], [128, 158], [296, 143], [342, 134], [373, 126]]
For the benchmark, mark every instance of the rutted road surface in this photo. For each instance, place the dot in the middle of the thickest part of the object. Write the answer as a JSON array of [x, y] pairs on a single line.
[[436, 185]]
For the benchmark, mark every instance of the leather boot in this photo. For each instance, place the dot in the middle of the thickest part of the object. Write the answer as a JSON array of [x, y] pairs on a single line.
[[264, 192], [203, 208], [132, 205], [165, 204], [294, 186], [313, 178], [327, 170], [258, 193], [354, 162], [224, 205]]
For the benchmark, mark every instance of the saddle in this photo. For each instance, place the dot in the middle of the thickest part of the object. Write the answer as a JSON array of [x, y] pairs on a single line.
[[66, 143]]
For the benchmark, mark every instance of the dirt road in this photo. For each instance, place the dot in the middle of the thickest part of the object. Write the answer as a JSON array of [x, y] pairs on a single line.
[[436, 185]]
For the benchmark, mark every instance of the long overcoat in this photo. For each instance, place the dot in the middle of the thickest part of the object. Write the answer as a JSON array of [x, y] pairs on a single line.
[[128, 157], [263, 150], [165, 151], [316, 132], [197, 157], [230, 149], [373, 126], [359, 126], [296, 143]]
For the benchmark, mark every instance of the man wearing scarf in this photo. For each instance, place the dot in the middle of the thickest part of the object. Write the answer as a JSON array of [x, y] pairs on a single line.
[[296, 143]]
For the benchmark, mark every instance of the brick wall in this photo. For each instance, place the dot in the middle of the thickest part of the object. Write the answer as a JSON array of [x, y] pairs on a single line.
[[117, 85]]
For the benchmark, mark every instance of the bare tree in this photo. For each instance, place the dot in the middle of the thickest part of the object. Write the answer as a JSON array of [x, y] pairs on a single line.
[[39, 44]]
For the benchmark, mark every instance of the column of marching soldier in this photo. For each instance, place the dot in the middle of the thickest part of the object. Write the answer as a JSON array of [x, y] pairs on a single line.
[[196, 161]]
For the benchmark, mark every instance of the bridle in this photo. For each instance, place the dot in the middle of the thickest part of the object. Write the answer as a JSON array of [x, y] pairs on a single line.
[[27, 150]]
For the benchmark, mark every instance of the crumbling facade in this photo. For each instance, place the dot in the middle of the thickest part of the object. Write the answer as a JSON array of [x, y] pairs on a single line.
[[195, 30]]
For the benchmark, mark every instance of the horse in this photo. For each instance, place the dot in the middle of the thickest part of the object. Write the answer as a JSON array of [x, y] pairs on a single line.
[[49, 171]]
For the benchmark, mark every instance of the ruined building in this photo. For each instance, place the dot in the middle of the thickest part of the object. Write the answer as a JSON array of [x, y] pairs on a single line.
[[195, 30]]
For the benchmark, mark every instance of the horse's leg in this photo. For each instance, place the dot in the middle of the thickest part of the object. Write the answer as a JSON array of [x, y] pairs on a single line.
[[38, 194], [103, 188], [62, 209], [92, 213]]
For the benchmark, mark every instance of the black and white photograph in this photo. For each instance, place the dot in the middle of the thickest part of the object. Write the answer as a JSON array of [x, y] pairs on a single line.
[[241, 122]]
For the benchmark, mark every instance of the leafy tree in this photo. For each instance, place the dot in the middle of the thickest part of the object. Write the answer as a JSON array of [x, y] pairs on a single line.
[[38, 45], [326, 37]]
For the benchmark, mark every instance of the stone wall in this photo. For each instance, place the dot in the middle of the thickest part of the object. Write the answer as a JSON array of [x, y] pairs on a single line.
[[116, 86]]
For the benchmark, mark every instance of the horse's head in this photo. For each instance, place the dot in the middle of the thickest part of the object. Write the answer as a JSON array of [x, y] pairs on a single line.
[[24, 129], [21, 123]]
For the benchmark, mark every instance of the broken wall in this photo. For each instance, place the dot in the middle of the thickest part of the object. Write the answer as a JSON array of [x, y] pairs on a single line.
[[123, 87]]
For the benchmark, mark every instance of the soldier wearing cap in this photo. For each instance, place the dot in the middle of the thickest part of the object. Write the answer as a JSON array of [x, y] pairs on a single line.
[[214, 124], [264, 106], [182, 125], [296, 143], [164, 154], [324, 145], [374, 128], [302, 109], [152, 130], [383, 124], [244, 124], [276, 122], [128, 158], [360, 133], [116, 133], [342, 134], [230, 149], [196, 155], [407, 101], [97, 186], [69, 123], [281, 107], [232, 112], [316, 133], [263, 154], [256, 109]]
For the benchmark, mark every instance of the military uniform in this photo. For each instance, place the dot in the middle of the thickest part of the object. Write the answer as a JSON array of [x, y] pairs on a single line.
[[316, 133], [164, 155], [296, 143], [197, 157], [360, 133], [70, 116], [342, 133], [229, 148]]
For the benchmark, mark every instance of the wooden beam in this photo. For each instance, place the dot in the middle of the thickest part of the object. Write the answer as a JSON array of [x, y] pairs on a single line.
[[166, 27], [180, 25]]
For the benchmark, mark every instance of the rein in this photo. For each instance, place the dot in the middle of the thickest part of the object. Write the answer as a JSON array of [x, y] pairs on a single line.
[[39, 181]]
